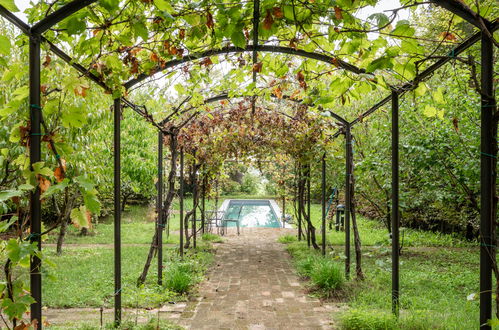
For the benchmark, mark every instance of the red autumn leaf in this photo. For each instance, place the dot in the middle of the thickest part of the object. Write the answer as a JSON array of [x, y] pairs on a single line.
[[268, 21], [335, 62], [154, 57], [134, 51], [43, 183], [338, 12], [89, 219], [81, 91], [206, 61], [209, 20], [47, 61], [295, 94], [257, 67], [181, 34], [24, 133], [135, 66], [300, 76], [455, 122], [16, 200], [448, 36], [278, 92], [277, 12], [59, 171]]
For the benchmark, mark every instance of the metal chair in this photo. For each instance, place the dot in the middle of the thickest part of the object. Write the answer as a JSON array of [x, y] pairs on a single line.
[[213, 219], [227, 218]]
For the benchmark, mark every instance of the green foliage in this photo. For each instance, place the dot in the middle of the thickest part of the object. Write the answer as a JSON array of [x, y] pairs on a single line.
[[286, 239], [327, 274], [178, 278], [212, 238], [368, 320]]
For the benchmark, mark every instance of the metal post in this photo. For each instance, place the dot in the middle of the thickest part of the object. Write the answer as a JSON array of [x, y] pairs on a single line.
[[395, 203], [323, 205], [181, 203], [35, 156], [488, 175], [117, 211], [299, 193], [309, 219], [348, 201], [160, 223], [203, 201], [283, 210], [194, 200]]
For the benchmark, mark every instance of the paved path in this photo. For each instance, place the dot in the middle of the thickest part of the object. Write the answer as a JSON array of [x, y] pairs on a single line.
[[252, 285]]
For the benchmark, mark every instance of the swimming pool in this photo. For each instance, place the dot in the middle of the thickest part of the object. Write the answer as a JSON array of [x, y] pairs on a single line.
[[252, 213]]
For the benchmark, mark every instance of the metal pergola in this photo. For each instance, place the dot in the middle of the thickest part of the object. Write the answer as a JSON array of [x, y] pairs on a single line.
[[488, 135]]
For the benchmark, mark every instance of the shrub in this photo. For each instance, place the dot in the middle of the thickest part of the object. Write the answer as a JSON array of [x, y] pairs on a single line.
[[286, 239], [368, 320], [179, 278], [326, 274]]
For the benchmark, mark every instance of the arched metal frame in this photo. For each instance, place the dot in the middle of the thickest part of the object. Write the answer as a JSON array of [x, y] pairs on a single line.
[[487, 160]]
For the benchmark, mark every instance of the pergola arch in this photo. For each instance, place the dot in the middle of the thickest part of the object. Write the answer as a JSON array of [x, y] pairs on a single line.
[[488, 133], [226, 96], [250, 48]]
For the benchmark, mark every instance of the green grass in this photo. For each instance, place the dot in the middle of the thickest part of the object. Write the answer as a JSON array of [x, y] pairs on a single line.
[[287, 239], [212, 238], [373, 233], [153, 324], [83, 277], [435, 284], [327, 274], [137, 225]]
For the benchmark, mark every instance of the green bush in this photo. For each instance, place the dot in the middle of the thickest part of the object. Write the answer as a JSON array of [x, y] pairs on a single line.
[[179, 278], [326, 274], [356, 319], [286, 239]]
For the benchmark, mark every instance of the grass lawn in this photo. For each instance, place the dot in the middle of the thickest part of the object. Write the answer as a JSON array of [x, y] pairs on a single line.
[[438, 274]]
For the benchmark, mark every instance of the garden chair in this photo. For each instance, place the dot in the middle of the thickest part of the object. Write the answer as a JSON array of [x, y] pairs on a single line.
[[213, 219], [231, 217]]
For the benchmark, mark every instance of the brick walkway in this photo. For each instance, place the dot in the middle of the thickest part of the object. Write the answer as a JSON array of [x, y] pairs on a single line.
[[252, 285]]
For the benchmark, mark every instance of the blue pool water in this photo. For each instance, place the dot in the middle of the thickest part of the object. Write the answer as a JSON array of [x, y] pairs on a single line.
[[252, 213]]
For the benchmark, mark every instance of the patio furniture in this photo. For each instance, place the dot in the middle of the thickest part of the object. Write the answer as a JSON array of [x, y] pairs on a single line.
[[232, 217]]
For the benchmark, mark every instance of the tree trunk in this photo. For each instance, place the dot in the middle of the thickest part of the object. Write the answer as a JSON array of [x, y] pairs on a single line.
[[62, 234], [166, 208], [310, 229], [123, 203], [356, 235]]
